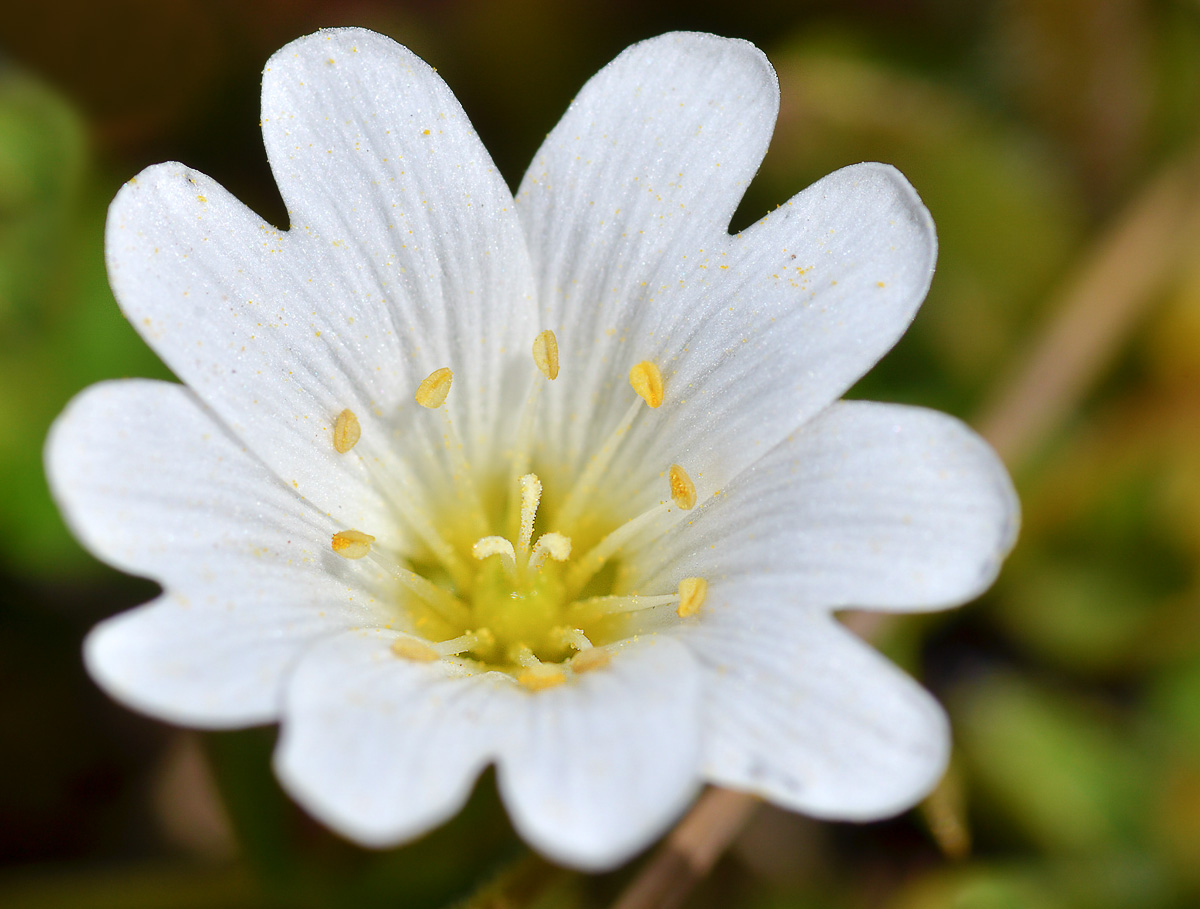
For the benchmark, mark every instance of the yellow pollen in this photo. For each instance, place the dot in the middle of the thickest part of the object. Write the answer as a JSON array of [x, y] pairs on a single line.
[[538, 678], [352, 544], [432, 391], [414, 650], [692, 592], [545, 354], [647, 382], [683, 490], [346, 431], [587, 660]]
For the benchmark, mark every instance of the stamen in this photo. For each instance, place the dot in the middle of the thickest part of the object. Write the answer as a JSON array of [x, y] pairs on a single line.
[[471, 640], [412, 649], [535, 675], [593, 560], [521, 456], [352, 544], [439, 599], [597, 464], [398, 481], [346, 431], [692, 592], [595, 607], [531, 496], [573, 637], [522, 655], [647, 382], [433, 389], [545, 354], [587, 660], [487, 547], [432, 394], [683, 490], [552, 545]]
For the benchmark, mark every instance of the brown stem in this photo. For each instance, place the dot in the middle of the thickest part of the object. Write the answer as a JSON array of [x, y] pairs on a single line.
[[1093, 313], [690, 851]]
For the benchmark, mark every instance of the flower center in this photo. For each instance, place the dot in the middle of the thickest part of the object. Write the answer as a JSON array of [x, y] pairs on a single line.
[[541, 607]]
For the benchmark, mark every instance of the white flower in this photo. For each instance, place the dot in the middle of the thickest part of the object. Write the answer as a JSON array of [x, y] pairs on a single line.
[[346, 555]]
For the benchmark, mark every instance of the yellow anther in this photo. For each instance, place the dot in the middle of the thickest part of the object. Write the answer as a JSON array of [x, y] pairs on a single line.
[[538, 678], [432, 391], [554, 545], [352, 544], [411, 649], [545, 354], [587, 660], [346, 431], [683, 490], [692, 592], [531, 497], [647, 382]]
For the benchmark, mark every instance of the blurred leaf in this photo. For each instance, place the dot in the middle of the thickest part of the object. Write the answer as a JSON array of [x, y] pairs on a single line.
[[60, 328], [41, 162], [1062, 773], [1111, 881], [151, 887], [303, 864]]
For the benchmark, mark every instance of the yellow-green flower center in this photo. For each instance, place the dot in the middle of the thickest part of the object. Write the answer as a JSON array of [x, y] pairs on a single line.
[[539, 606]]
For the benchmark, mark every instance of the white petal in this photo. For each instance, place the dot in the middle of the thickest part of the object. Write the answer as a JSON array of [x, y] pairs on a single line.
[[219, 663], [153, 485], [405, 255], [604, 764], [646, 167], [373, 153], [813, 296], [804, 714], [874, 505], [627, 208], [381, 748]]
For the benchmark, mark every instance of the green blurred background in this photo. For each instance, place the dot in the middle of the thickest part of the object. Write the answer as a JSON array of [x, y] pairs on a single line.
[[1056, 143]]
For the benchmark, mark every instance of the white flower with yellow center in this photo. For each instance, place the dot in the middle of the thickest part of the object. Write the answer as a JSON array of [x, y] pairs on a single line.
[[559, 483]]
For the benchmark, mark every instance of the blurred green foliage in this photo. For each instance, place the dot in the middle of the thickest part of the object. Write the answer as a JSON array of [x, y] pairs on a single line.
[[1074, 687]]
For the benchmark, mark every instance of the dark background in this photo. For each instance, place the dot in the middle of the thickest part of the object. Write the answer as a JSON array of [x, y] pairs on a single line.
[[1055, 144]]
